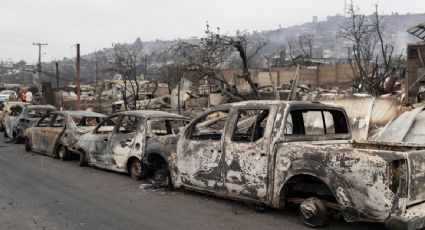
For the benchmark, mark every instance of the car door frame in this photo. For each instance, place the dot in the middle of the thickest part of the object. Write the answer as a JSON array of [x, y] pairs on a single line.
[[97, 155], [198, 175], [247, 163], [51, 148], [122, 145], [41, 133]]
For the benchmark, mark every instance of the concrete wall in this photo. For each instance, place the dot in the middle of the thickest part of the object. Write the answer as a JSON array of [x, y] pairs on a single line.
[[320, 76]]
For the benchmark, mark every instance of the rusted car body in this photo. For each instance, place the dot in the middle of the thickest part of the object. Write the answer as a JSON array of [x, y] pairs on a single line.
[[56, 133], [135, 142], [22, 117], [273, 153], [7, 109]]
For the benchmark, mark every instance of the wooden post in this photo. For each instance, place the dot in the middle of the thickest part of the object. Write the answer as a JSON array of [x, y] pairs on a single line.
[[317, 75], [78, 77], [337, 73], [57, 75]]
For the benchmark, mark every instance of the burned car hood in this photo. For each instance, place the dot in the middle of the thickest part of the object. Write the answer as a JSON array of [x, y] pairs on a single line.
[[85, 129], [74, 136]]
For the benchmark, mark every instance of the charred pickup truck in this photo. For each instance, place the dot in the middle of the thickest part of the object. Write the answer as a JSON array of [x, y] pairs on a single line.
[[272, 153], [135, 142]]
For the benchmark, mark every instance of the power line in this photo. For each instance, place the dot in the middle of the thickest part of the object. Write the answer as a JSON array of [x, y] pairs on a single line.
[[14, 42], [20, 35], [44, 71]]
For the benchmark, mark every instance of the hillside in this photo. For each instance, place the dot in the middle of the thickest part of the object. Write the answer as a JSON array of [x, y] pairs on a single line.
[[327, 44]]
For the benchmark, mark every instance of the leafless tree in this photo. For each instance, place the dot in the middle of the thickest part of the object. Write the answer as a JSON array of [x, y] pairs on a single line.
[[273, 83], [291, 43], [306, 42], [371, 65], [205, 59], [125, 64], [176, 73], [300, 48]]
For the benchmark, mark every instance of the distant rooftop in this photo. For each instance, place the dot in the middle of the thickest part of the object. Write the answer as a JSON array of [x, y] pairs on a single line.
[[418, 31]]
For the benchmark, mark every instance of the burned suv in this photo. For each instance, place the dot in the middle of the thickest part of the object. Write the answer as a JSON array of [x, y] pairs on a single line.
[[134, 142]]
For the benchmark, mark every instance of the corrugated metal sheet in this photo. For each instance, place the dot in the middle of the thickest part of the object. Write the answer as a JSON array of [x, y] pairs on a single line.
[[367, 114], [408, 127]]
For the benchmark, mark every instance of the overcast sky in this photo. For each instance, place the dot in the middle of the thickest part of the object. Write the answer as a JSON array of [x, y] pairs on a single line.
[[98, 23]]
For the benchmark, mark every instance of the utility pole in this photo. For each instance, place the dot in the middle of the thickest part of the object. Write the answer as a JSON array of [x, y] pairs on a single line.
[[57, 75], [78, 76], [96, 90], [146, 68], [95, 76], [39, 62]]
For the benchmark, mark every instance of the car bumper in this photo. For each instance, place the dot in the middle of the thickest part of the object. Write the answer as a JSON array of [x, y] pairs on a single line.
[[413, 218]]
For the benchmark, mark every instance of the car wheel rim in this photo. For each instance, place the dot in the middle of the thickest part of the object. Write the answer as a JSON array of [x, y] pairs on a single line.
[[313, 212], [61, 153], [136, 168], [27, 144]]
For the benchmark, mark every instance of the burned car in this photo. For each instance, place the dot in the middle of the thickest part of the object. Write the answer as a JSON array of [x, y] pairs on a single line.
[[22, 117], [134, 142], [272, 153], [150, 102], [56, 133], [7, 107], [7, 95]]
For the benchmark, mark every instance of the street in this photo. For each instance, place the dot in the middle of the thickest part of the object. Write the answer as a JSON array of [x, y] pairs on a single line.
[[39, 192]]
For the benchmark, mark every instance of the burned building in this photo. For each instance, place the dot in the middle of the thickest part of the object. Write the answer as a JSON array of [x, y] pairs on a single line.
[[415, 67]]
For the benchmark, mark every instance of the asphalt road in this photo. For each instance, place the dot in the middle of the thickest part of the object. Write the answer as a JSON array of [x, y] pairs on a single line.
[[39, 192]]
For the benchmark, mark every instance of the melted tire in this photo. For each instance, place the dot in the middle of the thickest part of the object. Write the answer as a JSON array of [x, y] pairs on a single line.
[[312, 212], [83, 159], [28, 145], [62, 153], [16, 139], [161, 178]]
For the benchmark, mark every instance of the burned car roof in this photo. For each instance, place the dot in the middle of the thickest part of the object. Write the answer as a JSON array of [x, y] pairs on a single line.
[[80, 113], [40, 107], [151, 113]]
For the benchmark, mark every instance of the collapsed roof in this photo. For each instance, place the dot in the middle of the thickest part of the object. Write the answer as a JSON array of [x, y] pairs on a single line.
[[418, 31]]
